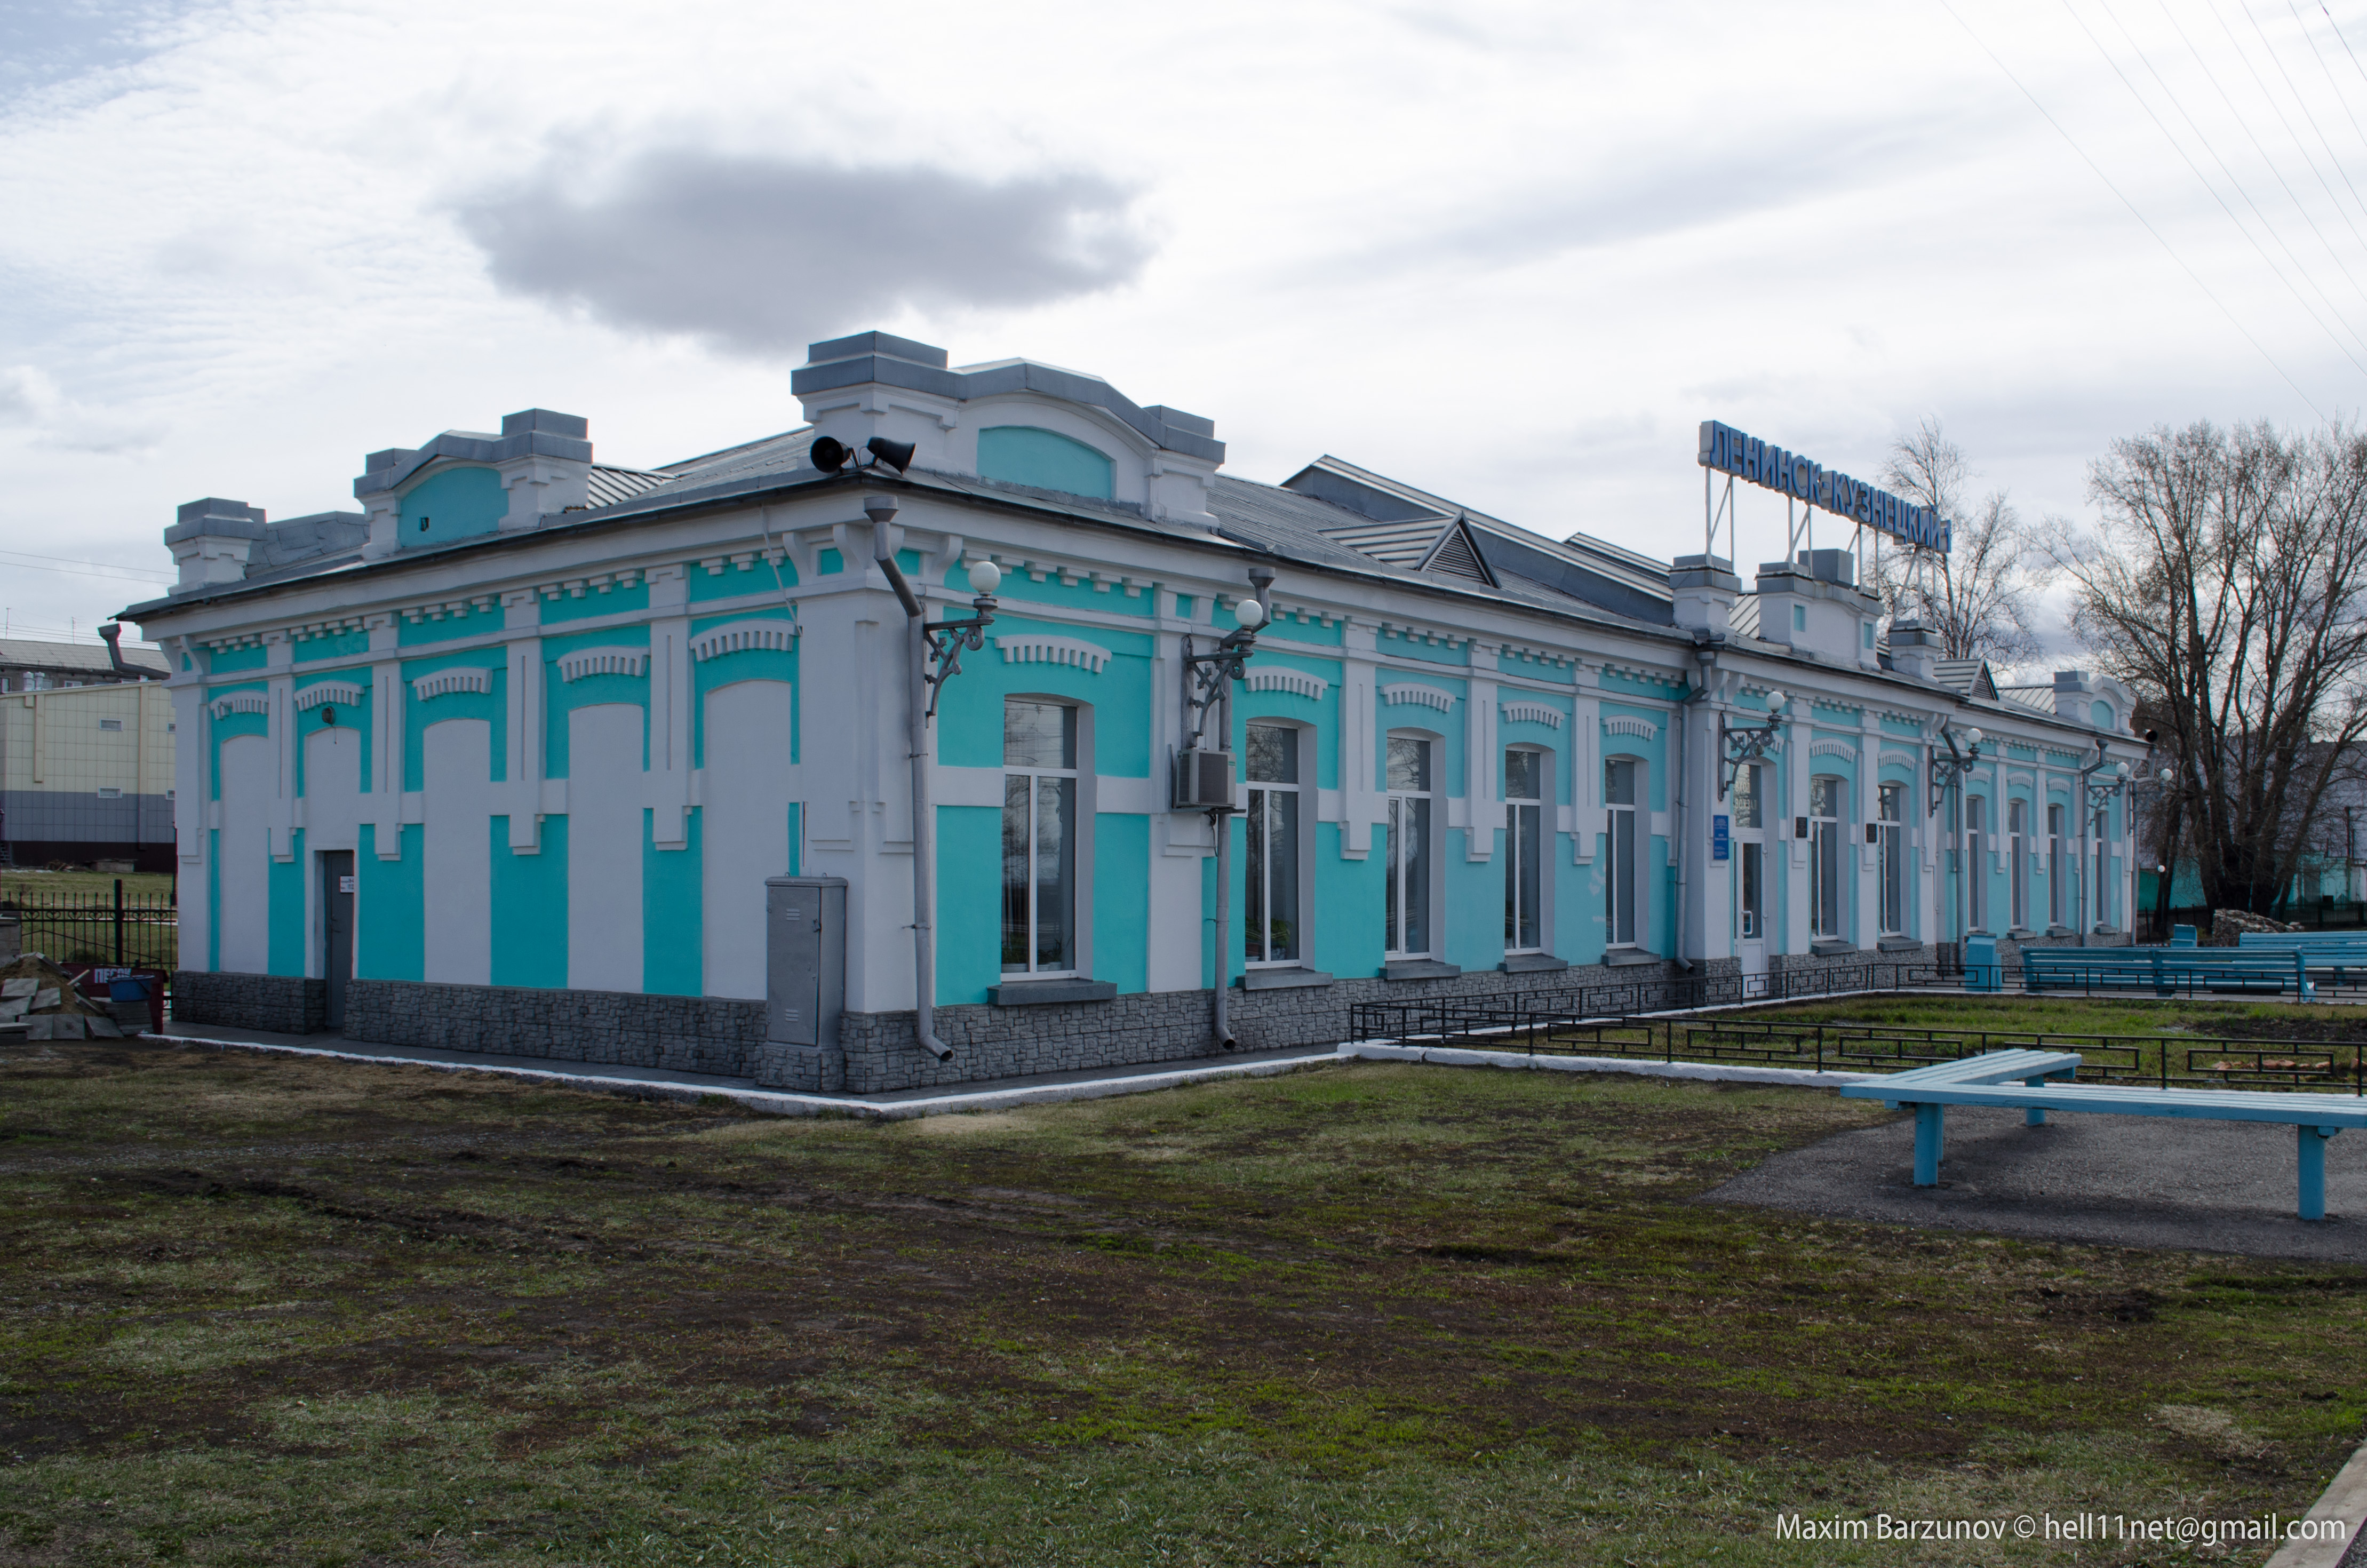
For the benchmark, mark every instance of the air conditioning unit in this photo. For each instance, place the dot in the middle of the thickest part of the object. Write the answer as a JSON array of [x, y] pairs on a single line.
[[1204, 782]]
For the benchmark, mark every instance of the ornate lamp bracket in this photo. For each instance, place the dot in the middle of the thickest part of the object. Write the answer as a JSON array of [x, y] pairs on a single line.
[[1949, 771]]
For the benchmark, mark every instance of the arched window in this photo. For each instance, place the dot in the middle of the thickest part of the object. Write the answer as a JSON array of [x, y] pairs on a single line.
[[1408, 852], [1044, 460]]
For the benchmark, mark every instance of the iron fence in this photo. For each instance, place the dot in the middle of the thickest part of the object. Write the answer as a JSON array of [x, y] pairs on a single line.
[[125, 931]]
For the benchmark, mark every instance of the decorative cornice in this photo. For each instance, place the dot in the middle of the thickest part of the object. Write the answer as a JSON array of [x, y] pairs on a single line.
[[1832, 748], [1420, 695], [312, 695], [574, 666], [459, 677], [1903, 758], [1033, 648], [240, 702], [1532, 713], [743, 636], [1623, 724], [1298, 683]]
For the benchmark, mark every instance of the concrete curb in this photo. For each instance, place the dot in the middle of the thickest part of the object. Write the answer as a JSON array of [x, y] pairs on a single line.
[[1702, 1072], [782, 1103], [2345, 1500]]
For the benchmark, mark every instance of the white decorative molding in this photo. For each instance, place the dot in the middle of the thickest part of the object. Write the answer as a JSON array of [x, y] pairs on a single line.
[[242, 702], [1424, 696], [574, 666], [742, 636], [1298, 683], [343, 691], [1030, 648], [459, 677], [1622, 724], [1903, 758], [1532, 713], [2015, 776], [1832, 748]]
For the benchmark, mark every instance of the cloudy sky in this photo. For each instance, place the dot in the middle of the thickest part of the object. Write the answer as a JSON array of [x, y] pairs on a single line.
[[1511, 252]]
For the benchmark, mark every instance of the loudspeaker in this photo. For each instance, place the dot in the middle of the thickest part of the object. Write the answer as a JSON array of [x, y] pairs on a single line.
[[897, 455], [829, 454]]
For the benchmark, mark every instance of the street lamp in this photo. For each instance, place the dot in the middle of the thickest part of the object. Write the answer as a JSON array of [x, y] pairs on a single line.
[[1748, 743]]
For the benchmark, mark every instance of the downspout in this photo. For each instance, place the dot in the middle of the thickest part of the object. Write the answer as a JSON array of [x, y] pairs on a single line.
[[881, 509], [2086, 822], [113, 632], [1705, 653], [1221, 1026]]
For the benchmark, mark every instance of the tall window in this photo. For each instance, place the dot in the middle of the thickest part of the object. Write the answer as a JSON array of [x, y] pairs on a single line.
[[1040, 837], [2100, 904], [1619, 890], [1524, 802], [2017, 829], [1977, 881], [1748, 816], [1272, 926], [1893, 798], [1825, 857], [2055, 862], [1408, 883]]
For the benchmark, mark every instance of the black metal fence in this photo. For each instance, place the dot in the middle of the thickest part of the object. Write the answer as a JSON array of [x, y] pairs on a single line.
[[1538, 1026], [125, 931]]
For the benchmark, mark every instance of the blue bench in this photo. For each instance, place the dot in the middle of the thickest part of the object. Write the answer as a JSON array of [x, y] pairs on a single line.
[[2333, 951], [2165, 970], [2019, 1079], [2183, 937]]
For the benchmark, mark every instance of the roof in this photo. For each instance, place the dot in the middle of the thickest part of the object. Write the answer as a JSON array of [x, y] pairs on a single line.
[[76, 658], [1970, 677], [2039, 698]]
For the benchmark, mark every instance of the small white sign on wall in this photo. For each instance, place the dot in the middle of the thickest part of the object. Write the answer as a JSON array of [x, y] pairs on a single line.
[[345, 884]]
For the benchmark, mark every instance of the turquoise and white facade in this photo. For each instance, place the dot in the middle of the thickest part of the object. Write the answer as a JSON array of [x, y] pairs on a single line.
[[558, 721]]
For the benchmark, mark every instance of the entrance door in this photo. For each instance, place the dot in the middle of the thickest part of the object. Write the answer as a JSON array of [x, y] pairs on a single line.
[[336, 928]]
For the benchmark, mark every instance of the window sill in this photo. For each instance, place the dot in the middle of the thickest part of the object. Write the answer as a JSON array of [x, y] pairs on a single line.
[[2061, 931], [1044, 992], [1288, 979], [2020, 933], [1621, 958], [1830, 947], [1419, 969], [1531, 963], [1896, 944]]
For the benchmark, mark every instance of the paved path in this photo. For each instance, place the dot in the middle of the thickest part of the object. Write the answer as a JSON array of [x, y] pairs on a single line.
[[2109, 1180]]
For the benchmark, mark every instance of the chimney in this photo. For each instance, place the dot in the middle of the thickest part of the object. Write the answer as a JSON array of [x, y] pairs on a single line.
[[210, 540]]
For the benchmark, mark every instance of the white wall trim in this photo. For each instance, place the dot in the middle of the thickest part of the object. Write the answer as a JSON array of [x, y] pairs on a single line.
[[240, 702], [1422, 695], [740, 636], [1624, 725], [1298, 683], [574, 666], [1832, 748], [1532, 713], [343, 691], [443, 683], [1033, 648], [1902, 758]]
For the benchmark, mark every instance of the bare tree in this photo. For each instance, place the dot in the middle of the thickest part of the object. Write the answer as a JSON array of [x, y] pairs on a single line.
[[2227, 584], [1976, 598]]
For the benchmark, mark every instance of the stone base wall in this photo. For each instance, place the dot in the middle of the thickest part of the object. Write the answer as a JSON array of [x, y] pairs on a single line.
[[684, 1034], [281, 1004]]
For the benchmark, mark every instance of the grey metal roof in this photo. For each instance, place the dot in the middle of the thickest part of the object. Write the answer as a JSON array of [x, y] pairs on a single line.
[[1967, 678], [607, 486]]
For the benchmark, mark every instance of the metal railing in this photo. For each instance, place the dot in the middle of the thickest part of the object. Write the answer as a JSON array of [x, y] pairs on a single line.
[[125, 931]]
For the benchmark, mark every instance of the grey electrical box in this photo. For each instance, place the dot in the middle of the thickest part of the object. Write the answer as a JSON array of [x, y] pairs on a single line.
[[1204, 781], [804, 975]]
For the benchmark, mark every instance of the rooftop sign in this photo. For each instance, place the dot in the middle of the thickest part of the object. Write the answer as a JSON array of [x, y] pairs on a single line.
[[1728, 451]]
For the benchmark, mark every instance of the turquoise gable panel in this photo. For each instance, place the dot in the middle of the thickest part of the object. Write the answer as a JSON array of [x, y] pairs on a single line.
[[1394, 645], [1121, 913], [672, 912], [1044, 460], [529, 908], [453, 504], [340, 645], [969, 913], [969, 716], [579, 603], [729, 580], [237, 660], [465, 622], [286, 931], [390, 913]]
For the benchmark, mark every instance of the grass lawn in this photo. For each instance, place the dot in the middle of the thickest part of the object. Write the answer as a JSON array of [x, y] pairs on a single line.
[[262, 1310], [22, 884]]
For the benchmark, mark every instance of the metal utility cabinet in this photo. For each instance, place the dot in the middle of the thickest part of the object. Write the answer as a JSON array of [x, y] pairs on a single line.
[[805, 987]]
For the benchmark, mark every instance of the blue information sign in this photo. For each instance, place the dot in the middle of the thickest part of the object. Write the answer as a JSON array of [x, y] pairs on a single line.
[[1717, 838]]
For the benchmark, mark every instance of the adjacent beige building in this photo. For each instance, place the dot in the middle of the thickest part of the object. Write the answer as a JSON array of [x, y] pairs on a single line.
[[86, 774]]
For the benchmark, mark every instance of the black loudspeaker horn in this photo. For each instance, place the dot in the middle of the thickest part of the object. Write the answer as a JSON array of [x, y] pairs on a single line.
[[897, 455], [829, 454]]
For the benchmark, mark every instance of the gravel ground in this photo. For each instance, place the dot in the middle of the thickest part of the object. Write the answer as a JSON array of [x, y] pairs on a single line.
[[2108, 1180]]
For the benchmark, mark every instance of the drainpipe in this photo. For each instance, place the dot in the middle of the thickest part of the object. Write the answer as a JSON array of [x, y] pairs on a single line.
[[1705, 653], [2088, 817], [881, 509], [1221, 1025], [113, 632]]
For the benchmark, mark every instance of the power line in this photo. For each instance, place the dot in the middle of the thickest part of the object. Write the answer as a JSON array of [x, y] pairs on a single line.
[[2204, 180], [2269, 46], [2339, 96], [2208, 291], [86, 568], [2343, 41]]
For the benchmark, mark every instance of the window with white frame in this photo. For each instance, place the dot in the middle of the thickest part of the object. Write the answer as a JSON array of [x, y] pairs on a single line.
[[1407, 882], [1749, 818], [2055, 858], [1524, 852], [1271, 921], [1977, 881], [1040, 837], [2100, 904], [1891, 801], [1621, 782], [1825, 902], [2017, 832]]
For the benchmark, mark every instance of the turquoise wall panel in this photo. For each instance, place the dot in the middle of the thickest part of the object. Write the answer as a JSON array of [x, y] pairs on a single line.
[[236, 660], [529, 908], [1121, 910], [1618, 681], [1474, 904], [353, 716], [672, 922], [1107, 596], [490, 706], [453, 504], [464, 622], [1394, 645], [338, 645], [730, 581], [1446, 760], [969, 717], [1322, 715], [753, 663], [1348, 918], [1579, 931], [286, 952], [1907, 729], [1044, 460], [391, 912], [828, 563], [1290, 629], [581, 604], [969, 913], [230, 727], [562, 698], [797, 839]]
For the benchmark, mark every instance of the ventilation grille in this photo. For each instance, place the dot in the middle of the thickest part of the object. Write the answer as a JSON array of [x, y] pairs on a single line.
[[1455, 557]]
